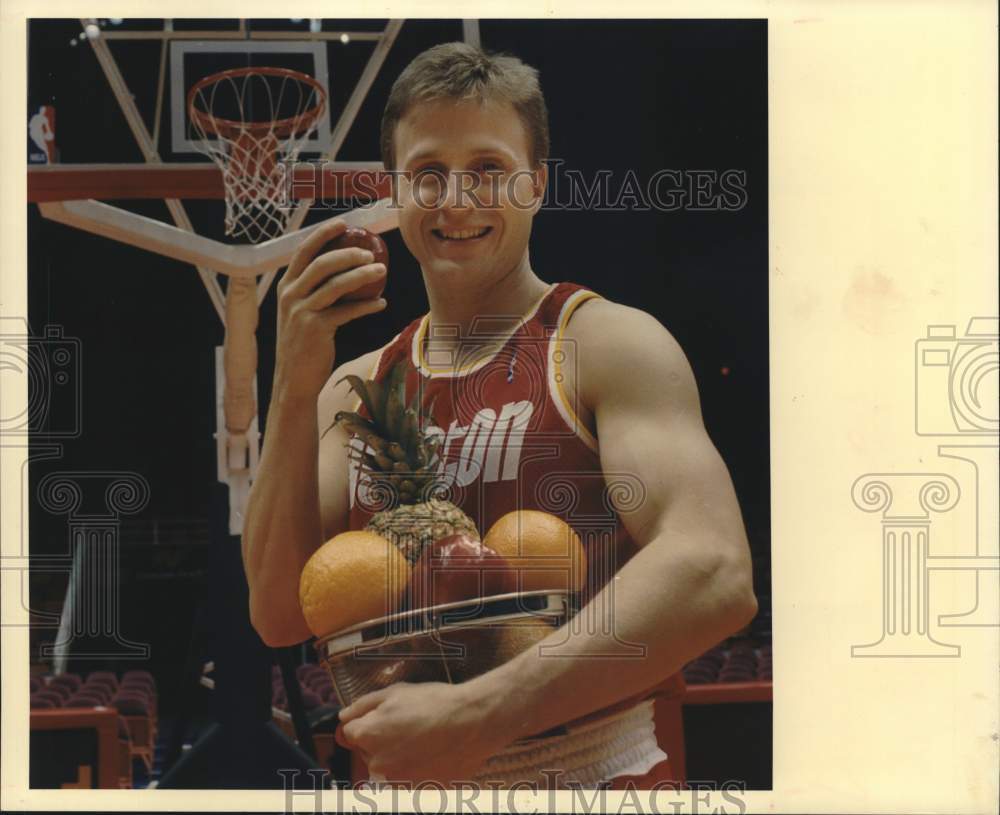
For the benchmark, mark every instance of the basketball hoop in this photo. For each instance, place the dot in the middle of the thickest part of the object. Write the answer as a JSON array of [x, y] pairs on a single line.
[[249, 146]]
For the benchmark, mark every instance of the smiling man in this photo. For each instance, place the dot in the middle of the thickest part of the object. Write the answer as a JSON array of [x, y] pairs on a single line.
[[603, 385]]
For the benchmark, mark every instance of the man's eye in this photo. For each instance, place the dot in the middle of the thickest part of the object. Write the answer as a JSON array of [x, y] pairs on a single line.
[[490, 167]]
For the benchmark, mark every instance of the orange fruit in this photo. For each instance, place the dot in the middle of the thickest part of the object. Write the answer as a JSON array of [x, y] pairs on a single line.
[[353, 577], [544, 550]]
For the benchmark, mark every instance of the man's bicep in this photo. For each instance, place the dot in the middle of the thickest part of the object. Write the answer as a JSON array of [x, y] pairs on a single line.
[[679, 476], [650, 430]]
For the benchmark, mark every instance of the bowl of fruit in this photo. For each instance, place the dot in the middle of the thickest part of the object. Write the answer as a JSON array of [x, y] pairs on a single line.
[[462, 608], [418, 595]]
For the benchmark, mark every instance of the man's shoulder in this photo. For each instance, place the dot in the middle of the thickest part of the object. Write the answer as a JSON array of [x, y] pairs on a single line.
[[601, 325], [616, 343], [597, 307]]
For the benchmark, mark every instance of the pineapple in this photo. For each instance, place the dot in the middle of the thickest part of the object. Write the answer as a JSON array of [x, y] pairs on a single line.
[[404, 462]]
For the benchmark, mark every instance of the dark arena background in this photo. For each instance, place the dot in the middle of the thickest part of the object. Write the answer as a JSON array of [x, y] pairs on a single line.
[[129, 338]]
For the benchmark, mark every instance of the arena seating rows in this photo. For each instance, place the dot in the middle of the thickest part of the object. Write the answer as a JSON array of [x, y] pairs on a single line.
[[133, 695], [317, 688], [737, 660]]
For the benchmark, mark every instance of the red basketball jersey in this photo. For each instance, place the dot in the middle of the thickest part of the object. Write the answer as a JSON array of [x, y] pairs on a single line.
[[511, 435]]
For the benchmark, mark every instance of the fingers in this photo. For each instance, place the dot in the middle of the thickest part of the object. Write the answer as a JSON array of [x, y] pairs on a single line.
[[348, 744], [359, 707], [345, 282], [342, 313], [329, 265], [349, 731], [311, 245]]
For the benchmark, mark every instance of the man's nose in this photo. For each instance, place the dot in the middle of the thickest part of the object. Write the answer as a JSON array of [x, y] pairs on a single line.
[[458, 190]]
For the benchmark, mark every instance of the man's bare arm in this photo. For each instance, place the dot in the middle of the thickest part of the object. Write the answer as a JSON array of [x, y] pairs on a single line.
[[283, 527], [298, 500], [690, 585]]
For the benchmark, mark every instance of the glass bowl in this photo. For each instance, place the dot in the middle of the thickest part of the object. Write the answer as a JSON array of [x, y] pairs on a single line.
[[453, 642]]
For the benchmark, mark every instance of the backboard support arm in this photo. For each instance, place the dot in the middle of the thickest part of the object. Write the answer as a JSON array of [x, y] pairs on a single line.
[[237, 436]]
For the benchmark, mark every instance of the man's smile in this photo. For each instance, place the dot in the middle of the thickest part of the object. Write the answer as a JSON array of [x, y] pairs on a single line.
[[468, 235]]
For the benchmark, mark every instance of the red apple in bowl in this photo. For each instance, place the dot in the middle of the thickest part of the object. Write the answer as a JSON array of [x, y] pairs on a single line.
[[457, 568], [362, 238]]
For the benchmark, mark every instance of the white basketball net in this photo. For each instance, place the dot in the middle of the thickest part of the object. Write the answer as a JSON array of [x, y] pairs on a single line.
[[249, 122]]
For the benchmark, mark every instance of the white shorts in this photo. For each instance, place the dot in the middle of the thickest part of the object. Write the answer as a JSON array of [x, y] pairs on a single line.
[[623, 743]]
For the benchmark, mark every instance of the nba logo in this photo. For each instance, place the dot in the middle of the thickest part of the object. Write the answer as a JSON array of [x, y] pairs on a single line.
[[42, 136]]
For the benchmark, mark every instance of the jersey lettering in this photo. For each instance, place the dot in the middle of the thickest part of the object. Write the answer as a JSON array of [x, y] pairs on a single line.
[[486, 441]]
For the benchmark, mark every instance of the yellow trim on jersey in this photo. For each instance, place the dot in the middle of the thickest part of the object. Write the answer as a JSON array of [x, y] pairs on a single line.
[[417, 350], [562, 402]]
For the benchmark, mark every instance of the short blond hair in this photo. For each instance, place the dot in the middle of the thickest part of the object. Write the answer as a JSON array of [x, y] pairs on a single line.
[[459, 71]]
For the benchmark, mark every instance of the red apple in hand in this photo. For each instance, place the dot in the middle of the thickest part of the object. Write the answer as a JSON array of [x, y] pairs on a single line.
[[458, 568], [356, 236]]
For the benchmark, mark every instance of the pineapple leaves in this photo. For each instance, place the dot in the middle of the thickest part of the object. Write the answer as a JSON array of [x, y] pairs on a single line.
[[411, 436], [395, 402], [375, 393], [398, 448], [365, 391], [385, 390], [354, 423], [429, 414]]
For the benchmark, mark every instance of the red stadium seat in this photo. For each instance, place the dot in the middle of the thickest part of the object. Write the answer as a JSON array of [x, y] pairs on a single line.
[[104, 692], [70, 680], [130, 704], [83, 699], [63, 691], [103, 678]]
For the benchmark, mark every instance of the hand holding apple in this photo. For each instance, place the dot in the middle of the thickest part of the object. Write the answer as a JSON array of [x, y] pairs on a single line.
[[362, 238]]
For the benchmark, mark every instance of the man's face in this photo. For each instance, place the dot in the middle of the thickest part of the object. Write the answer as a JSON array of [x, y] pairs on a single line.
[[467, 193]]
